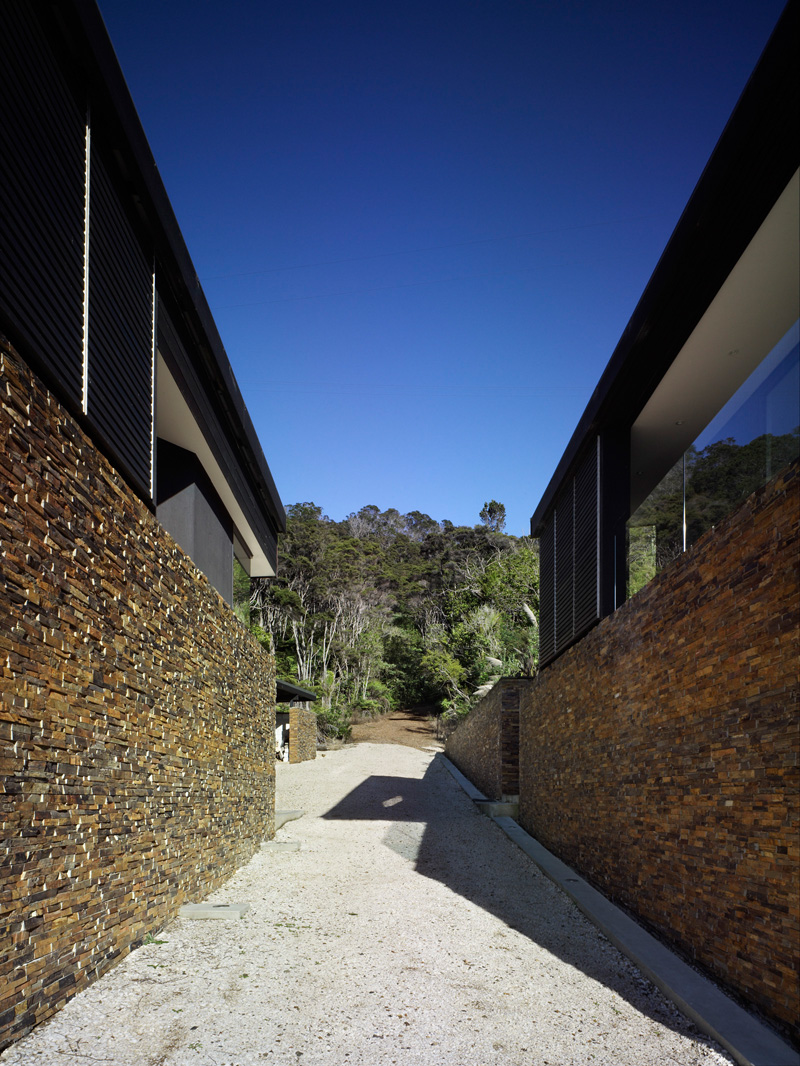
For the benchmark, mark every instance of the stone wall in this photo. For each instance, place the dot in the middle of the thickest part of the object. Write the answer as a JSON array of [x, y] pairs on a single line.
[[136, 715], [659, 756], [302, 734], [485, 745]]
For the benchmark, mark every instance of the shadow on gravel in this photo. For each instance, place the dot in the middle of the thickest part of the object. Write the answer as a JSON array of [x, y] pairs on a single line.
[[439, 829]]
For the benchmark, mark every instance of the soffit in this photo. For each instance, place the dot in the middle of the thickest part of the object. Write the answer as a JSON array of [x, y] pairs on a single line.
[[755, 307], [176, 423]]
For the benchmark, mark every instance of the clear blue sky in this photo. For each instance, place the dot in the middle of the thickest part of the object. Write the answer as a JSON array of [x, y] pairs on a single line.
[[422, 226]]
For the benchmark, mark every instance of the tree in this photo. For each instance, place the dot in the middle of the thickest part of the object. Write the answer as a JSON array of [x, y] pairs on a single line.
[[387, 608], [493, 516]]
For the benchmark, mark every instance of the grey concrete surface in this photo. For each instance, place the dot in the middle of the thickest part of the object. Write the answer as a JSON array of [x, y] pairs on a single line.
[[213, 911], [498, 808]]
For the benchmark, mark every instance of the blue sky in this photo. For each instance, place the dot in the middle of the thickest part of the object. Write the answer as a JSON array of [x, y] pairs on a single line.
[[423, 227]]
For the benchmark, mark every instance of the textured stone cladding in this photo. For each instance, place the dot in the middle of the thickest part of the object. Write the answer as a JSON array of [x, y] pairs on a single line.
[[302, 734], [659, 756], [136, 715], [485, 745]]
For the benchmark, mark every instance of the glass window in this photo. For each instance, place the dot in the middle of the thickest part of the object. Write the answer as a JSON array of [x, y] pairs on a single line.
[[754, 436]]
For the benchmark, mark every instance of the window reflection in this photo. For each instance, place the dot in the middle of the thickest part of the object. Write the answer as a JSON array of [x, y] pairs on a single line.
[[753, 437]]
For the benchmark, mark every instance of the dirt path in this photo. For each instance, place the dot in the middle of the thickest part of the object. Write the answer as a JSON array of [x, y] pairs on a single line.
[[414, 728]]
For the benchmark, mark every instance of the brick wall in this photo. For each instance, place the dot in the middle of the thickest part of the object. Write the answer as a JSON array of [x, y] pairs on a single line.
[[302, 734], [659, 756], [485, 745], [136, 715]]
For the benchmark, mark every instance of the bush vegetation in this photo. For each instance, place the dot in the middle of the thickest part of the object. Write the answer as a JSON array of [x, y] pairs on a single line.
[[384, 610]]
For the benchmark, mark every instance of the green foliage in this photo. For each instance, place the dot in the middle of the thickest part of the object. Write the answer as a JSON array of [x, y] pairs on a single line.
[[241, 592], [718, 478], [335, 721], [385, 610], [641, 557], [493, 515]]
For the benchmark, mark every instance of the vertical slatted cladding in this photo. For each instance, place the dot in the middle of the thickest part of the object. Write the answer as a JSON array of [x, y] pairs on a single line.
[[120, 330], [42, 187], [565, 551], [586, 559], [547, 602], [569, 562]]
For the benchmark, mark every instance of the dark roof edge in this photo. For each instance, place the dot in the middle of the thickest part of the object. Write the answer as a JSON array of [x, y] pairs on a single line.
[[171, 249], [289, 691], [763, 164]]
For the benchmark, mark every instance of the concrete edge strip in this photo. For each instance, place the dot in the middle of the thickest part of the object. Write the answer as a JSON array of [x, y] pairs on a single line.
[[748, 1040], [473, 793], [751, 1042], [213, 910]]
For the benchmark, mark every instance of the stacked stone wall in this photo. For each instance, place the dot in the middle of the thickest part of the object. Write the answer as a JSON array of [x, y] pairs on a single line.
[[659, 756], [302, 734], [485, 745], [136, 715]]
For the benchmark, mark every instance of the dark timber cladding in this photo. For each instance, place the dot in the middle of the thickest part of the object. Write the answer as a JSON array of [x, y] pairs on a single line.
[[120, 328], [42, 178], [101, 364], [569, 595], [87, 234]]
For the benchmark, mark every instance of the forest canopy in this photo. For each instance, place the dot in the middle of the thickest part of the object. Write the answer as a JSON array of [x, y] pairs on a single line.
[[384, 609]]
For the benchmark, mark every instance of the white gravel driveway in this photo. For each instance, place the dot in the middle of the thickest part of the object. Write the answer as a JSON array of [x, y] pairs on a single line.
[[407, 930]]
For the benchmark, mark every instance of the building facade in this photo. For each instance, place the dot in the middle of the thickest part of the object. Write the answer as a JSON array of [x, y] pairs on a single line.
[[659, 744], [137, 714]]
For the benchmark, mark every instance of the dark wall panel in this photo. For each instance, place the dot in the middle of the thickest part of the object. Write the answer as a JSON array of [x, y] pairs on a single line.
[[185, 366], [120, 329], [569, 561], [564, 577], [42, 185], [547, 618], [190, 509], [586, 557]]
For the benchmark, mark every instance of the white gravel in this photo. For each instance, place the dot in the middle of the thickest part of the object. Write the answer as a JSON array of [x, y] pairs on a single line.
[[406, 930]]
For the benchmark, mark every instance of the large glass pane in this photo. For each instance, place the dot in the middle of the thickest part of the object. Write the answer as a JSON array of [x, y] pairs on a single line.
[[755, 435], [655, 530]]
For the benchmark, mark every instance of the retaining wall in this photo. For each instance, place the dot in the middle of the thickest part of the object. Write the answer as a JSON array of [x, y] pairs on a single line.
[[485, 745], [136, 715], [302, 734], [659, 756]]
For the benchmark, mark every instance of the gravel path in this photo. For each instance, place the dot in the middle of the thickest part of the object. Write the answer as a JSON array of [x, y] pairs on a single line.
[[406, 930]]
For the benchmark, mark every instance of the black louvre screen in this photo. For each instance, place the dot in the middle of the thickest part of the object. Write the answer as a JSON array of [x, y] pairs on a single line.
[[569, 562], [547, 574], [565, 551], [42, 187], [120, 330], [586, 546]]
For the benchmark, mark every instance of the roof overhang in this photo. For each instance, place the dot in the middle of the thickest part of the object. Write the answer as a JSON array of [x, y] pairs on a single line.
[[202, 370], [749, 170], [756, 306], [176, 423], [287, 692]]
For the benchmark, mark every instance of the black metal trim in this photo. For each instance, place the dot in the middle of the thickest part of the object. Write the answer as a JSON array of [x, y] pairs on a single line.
[[286, 692]]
